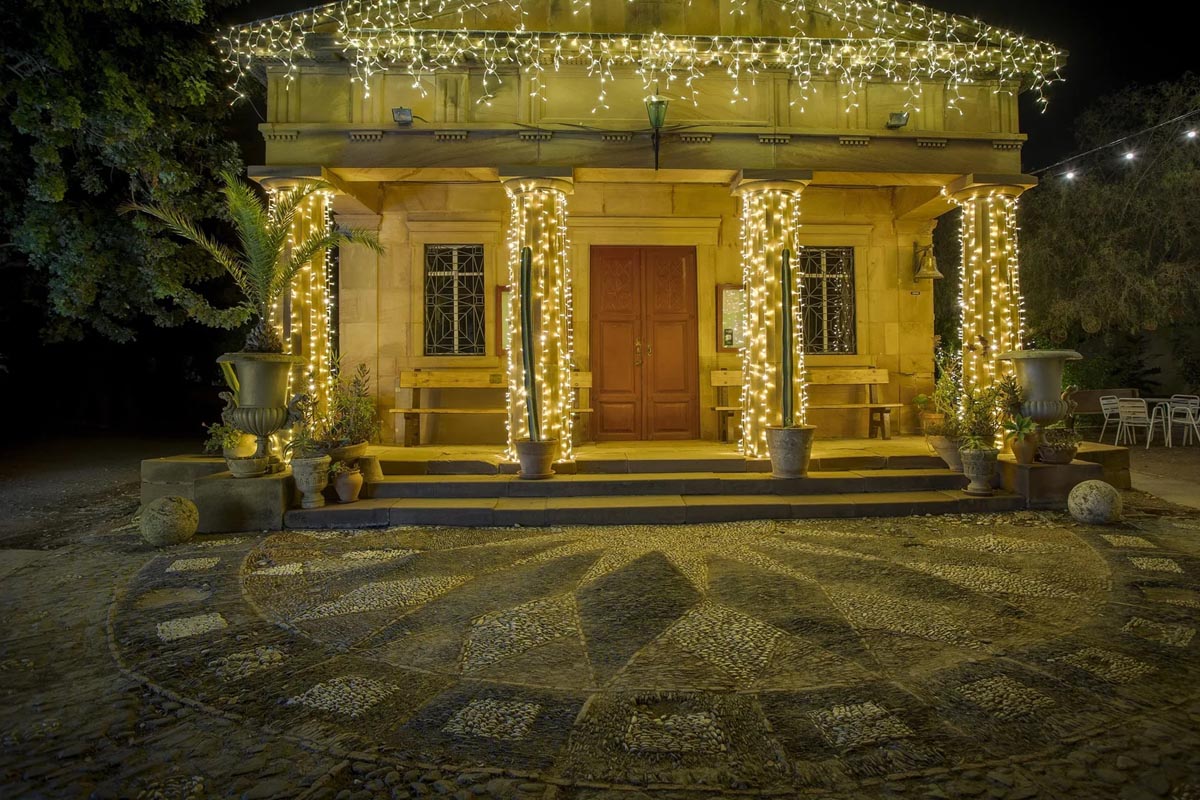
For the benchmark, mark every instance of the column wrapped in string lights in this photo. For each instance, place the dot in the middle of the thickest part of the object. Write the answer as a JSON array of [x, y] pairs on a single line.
[[992, 307], [538, 220], [303, 315], [770, 224]]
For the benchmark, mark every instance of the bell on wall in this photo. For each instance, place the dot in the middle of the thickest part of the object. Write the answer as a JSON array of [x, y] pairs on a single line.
[[924, 263]]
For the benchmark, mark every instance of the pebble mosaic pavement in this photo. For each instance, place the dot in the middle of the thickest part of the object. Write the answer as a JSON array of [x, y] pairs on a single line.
[[1016, 655]]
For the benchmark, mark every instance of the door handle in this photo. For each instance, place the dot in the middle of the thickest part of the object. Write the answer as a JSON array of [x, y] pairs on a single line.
[[637, 352]]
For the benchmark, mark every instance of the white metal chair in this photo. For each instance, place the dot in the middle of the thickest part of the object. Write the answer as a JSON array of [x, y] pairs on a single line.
[[1134, 414], [1185, 411], [1112, 412]]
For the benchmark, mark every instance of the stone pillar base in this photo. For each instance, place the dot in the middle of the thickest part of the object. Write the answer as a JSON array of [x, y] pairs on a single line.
[[1046, 485]]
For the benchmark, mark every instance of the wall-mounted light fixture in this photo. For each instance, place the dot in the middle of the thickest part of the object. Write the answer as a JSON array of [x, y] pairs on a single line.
[[402, 116], [656, 110], [897, 120], [925, 264]]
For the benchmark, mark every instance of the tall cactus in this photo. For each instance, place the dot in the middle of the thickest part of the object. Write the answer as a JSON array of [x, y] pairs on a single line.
[[532, 407], [786, 339]]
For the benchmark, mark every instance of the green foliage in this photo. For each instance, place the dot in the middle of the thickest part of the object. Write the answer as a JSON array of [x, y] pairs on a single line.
[[1060, 436], [1019, 427], [980, 417], [947, 395], [221, 437], [1118, 249], [1115, 361], [352, 415], [1010, 396], [104, 100], [921, 401], [309, 430], [341, 468], [265, 261]]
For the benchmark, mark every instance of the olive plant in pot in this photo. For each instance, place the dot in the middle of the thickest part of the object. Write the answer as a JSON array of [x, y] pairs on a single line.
[[262, 265], [980, 417], [1058, 445], [353, 420], [535, 454], [790, 444], [1022, 436], [945, 434]]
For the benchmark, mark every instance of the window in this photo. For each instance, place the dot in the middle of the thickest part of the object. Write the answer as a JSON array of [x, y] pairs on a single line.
[[454, 300], [827, 281]]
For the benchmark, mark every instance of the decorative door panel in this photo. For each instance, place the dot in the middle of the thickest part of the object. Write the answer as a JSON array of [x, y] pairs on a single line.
[[644, 343]]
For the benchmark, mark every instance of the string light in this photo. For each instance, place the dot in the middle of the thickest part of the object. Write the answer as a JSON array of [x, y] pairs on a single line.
[[770, 223], [1190, 134], [538, 220], [993, 314], [1130, 154], [898, 42]]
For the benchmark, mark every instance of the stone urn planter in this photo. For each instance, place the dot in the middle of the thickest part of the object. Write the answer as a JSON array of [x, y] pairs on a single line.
[[536, 458], [348, 484], [1040, 375], [261, 407], [311, 476], [246, 446], [1057, 453], [790, 449], [248, 466], [947, 450], [980, 467]]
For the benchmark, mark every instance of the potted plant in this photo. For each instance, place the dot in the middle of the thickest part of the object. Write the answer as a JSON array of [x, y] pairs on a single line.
[[347, 481], [1040, 374], [310, 462], [353, 420], [262, 266], [1059, 445], [1021, 434], [978, 451], [535, 454], [789, 444], [238, 450], [945, 434], [924, 403]]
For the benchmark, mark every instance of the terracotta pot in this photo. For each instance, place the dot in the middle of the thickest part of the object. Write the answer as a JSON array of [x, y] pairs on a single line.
[[790, 449], [537, 458], [947, 449], [248, 467], [980, 467], [311, 476], [348, 485], [1024, 448], [930, 417]]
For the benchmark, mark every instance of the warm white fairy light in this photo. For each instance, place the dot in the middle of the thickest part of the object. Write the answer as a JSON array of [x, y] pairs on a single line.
[[895, 42], [538, 220], [770, 223], [309, 307], [992, 307]]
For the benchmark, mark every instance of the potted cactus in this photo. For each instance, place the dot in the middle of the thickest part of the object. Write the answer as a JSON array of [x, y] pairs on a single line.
[[535, 454], [789, 444]]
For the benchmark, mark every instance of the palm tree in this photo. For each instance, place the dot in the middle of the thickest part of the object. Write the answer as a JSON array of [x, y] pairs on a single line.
[[264, 263]]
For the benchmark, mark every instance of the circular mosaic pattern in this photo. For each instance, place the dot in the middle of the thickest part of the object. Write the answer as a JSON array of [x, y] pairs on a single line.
[[748, 655]]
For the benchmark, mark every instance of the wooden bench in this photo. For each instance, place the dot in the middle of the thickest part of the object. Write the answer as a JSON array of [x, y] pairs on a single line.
[[419, 380], [869, 377]]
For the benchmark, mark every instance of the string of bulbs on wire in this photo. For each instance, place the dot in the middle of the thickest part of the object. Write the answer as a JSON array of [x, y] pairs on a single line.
[[1069, 168]]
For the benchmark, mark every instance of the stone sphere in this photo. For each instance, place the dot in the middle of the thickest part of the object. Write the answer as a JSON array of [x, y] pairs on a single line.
[[169, 520], [1095, 502]]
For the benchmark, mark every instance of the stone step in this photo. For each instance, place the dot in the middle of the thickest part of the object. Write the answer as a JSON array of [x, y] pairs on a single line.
[[621, 465], [685, 484], [642, 509]]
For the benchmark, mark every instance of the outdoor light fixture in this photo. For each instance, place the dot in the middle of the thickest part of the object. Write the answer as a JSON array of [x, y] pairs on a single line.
[[1070, 175], [925, 264], [1191, 134], [402, 116], [897, 120], [1130, 156], [656, 110]]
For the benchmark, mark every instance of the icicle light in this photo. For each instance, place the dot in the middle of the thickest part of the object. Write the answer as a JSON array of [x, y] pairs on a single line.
[[538, 220], [770, 224]]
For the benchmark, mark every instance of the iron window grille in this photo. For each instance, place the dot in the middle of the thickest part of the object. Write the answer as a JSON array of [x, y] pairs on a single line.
[[454, 300], [827, 283]]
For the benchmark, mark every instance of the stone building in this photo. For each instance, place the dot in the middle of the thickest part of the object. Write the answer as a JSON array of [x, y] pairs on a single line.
[[464, 132]]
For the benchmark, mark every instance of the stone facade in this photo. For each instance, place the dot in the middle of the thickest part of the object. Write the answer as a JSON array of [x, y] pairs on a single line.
[[876, 189]]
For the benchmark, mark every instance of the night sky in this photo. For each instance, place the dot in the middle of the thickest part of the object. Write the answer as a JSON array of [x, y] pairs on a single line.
[[1108, 51]]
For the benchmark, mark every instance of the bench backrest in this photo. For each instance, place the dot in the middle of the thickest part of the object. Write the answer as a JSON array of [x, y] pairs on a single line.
[[470, 379], [818, 376]]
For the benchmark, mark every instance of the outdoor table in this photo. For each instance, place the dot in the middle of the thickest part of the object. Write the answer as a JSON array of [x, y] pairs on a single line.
[[1153, 403]]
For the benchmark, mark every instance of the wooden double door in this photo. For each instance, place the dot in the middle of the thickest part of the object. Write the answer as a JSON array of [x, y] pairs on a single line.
[[644, 346]]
